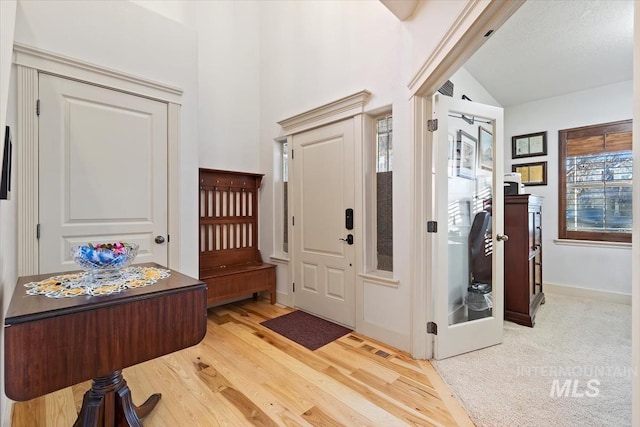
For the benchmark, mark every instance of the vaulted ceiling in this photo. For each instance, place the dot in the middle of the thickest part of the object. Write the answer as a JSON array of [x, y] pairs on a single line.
[[548, 48]]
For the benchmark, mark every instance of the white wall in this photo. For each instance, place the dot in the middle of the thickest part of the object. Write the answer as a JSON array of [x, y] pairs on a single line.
[[592, 267], [229, 107], [465, 84], [7, 25]]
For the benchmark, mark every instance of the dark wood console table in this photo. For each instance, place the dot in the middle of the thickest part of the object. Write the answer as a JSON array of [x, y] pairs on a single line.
[[53, 343]]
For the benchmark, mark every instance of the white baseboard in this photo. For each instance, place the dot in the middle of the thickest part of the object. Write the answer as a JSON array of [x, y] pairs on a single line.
[[587, 293], [8, 410]]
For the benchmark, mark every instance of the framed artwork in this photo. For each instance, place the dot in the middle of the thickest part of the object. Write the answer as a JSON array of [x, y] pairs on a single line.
[[532, 173], [533, 144], [5, 179], [485, 149], [466, 155]]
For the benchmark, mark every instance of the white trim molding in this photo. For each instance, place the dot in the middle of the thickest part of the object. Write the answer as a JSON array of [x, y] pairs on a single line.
[[376, 279], [592, 244], [54, 63], [595, 294], [471, 28], [173, 185], [27, 171], [343, 108]]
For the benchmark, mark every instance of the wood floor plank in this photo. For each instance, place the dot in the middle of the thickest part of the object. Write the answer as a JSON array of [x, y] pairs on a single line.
[[243, 374]]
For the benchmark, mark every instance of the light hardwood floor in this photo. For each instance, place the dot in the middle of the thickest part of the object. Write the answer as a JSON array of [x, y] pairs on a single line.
[[243, 374]]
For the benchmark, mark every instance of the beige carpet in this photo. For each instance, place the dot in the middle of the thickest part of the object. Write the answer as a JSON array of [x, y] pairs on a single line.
[[572, 369]]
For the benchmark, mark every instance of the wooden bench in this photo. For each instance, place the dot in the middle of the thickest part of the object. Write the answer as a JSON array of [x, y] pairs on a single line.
[[230, 262]]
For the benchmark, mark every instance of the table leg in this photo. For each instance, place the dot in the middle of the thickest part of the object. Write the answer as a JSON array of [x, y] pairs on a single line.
[[109, 403]]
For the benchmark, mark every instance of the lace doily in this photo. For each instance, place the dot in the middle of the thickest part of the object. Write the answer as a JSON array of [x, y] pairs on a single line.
[[73, 285]]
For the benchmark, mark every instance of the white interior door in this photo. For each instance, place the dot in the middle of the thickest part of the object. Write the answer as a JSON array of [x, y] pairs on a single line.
[[468, 204], [323, 188], [103, 171]]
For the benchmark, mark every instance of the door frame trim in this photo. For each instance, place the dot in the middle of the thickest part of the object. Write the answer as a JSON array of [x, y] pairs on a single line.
[[350, 107], [29, 63], [71, 68], [463, 38], [343, 108]]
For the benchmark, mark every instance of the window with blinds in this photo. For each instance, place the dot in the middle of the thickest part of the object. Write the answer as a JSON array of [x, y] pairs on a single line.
[[595, 182]]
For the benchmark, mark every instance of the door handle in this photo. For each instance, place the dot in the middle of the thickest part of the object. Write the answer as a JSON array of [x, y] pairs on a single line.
[[159, 239], [502, 237], [349, 239]]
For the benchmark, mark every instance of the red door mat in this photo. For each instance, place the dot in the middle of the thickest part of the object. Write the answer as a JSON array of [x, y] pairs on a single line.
[[307, 330]]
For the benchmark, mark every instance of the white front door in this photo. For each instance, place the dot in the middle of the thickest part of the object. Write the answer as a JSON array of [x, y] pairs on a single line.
[[467, 247], [323, 189], [103, 171]]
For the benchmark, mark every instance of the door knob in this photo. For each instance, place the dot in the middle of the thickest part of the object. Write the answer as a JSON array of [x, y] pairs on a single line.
[[502, 237], [349, 239], [159, 239]]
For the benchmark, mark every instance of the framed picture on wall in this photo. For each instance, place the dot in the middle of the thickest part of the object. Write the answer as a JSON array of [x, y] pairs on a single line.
[[5, 178], [466, 155], [530, 145], [532, 173], [485, 149]]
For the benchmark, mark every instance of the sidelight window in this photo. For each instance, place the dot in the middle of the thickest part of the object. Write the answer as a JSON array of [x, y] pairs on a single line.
[[384, 192]]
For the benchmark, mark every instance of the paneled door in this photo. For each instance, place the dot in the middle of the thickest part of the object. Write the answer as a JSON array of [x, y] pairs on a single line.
[[323, 189], [103, 171], [467, 246]]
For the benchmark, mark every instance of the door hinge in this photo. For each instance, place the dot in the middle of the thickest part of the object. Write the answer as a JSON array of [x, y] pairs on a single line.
[[38, 107], [432, 125], [38, 231], [294, 286], [293, 220], [432, 226], [292, 154], [432, 328]]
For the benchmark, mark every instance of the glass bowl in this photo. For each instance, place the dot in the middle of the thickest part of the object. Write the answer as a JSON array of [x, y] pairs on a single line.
[[104, 261]]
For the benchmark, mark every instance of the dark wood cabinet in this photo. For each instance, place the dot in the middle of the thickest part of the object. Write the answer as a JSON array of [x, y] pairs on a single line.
[[523, 258]]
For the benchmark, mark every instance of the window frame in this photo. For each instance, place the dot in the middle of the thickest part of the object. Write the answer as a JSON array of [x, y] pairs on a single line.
[[281, 204], [371, 213], [563, 136]]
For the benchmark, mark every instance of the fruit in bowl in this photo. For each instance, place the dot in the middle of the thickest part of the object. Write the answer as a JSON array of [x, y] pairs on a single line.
[[104, 260]]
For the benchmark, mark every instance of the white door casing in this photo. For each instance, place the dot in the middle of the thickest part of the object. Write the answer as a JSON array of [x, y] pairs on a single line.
[[457, 338], [323, 184], [103, 171]]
